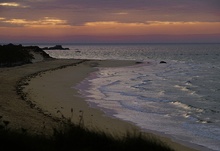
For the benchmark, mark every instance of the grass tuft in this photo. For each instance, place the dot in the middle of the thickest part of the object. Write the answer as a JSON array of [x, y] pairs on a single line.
[[76, 137]]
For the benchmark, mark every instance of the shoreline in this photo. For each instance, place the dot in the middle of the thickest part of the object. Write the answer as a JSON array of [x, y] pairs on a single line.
[[67, 98], [93, 117], [20, 114]]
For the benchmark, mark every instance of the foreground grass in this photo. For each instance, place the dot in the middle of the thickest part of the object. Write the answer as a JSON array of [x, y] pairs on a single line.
[[75, 137]]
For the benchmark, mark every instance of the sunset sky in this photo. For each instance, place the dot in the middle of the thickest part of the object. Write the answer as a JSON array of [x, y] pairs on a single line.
[[89, 21]]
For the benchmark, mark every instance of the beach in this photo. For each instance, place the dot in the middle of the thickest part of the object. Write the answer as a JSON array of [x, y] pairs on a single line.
[[13, 108], [53, 92], [50, 90]]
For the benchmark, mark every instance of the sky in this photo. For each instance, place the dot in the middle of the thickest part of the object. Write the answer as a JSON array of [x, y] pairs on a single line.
[[110, 21]]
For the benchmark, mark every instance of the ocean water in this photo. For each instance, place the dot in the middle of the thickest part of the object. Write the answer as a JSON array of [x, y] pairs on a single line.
[[179, 98]]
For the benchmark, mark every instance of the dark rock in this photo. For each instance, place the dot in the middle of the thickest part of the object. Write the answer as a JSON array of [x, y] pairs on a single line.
[[163, 62], [45, 48], [57, 47], [138, 62]]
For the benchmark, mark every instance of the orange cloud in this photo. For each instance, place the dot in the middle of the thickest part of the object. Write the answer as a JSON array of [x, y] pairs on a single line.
[[12, 4], [121, 13], [46, 21], [54, 27], [153, 27], [112, 23]]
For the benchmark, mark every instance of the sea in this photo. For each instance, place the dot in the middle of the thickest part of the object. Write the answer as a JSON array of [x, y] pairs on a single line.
[[179, 97]]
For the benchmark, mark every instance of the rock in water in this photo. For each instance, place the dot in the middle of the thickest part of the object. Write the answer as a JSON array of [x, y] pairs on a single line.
[[57, 47]]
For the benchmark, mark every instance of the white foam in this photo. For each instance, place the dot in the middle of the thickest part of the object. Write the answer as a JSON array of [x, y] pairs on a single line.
[[147, 95], [181, 105]]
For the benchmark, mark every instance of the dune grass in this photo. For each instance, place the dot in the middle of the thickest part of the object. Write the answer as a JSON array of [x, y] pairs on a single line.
[[71, 137]]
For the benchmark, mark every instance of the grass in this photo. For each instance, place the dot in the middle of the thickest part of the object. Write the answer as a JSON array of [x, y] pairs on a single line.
[[71, 137]]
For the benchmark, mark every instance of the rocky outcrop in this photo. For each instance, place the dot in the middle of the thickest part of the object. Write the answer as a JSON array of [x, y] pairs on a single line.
[[163, 62], [57, 47], [15, 55]]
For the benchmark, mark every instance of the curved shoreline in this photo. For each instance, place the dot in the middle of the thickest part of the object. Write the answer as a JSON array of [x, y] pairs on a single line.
[[17, 112], [23, 82], [55, 88], [71, 100], [22, 115]]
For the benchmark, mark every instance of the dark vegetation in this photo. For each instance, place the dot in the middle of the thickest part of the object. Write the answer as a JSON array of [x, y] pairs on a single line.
[[71, 137], [14, 55]]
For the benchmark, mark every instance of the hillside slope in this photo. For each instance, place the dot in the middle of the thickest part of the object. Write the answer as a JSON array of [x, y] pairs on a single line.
[[14, 55]]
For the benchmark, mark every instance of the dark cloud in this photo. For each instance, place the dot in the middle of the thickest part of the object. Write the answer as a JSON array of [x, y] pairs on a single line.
[[77, 12], [120, 4], [144, 4]]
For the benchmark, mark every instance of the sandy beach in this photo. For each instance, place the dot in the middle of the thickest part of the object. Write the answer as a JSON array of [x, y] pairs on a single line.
[[49, 95]]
